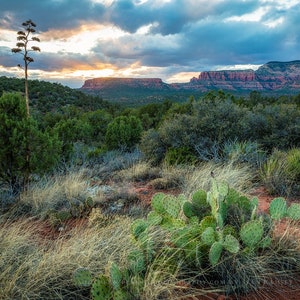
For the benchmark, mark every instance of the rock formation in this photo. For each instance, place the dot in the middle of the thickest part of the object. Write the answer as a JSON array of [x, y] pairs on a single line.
[[272, 77]]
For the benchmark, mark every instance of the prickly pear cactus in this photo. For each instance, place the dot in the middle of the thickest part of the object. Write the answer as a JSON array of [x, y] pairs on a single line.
[[157, 203], [278, 208], [101, 288], [228, 229], [115, 276], [188, 210], [136, 261], [231, 244], [138, 227], [208, 237], [154, 218], [120, 295], [199, 198], [208, 221], [82, 277], [251, 233], [293, 211], [172, 206], [89, 202], [215, 253]]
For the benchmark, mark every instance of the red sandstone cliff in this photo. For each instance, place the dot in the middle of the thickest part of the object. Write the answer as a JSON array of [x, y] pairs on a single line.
[[273, 76], [111, 82]]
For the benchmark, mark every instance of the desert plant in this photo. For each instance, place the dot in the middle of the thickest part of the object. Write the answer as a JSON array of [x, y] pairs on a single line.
[[24, 38], [180, 155], [280, 173], [123, 133], [18, 131]]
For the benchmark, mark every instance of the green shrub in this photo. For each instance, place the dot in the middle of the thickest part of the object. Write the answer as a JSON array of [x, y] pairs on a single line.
[[181, 155], [123, 133], [24, 149], [152, 146]]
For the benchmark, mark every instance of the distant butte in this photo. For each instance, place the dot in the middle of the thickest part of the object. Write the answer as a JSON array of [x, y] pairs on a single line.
[[272, 77]]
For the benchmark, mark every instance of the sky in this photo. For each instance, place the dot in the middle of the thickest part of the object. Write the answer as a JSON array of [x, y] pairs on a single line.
[[169, 39]]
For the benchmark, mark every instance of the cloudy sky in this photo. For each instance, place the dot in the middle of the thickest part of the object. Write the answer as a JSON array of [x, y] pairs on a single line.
[[170, 39]]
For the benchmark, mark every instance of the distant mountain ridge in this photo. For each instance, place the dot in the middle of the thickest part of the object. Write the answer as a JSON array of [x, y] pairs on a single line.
[[272, 77]]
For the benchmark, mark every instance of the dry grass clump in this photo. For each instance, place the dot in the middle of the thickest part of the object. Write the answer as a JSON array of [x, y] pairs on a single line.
[[54, 193], [171, 177], [141, 171], [32, 269], [238, 177]]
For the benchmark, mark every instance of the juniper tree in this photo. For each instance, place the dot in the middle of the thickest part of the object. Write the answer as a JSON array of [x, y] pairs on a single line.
[[17, 130], [24, 37]]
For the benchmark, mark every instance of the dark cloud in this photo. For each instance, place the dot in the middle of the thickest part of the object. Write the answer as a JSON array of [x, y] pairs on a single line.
[[183, 35], [50, 14]]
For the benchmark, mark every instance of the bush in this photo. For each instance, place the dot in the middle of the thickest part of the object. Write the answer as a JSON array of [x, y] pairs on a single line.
[[123, 133], [24, 149], [181, 155]]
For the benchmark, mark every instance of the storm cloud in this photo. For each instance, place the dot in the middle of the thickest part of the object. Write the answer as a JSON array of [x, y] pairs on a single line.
[[163, 37]]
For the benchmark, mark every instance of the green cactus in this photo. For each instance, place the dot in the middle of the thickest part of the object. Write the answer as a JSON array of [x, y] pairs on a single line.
[[188, 210], [216, 199], [157, 203], [136, 261], [138, 227], [251, 233], [208, 221], [154, 218], [172, 206], [293, 211], [198, 206], [231, 244], [208, 237], [119, 294], [199, 198], [115, 276], [89, 202], [82, 277], [228, 229], [215, 253], [101, 288], [278, 208]]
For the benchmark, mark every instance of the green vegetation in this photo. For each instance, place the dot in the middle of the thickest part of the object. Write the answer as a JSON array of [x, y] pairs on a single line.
[[80, 229]]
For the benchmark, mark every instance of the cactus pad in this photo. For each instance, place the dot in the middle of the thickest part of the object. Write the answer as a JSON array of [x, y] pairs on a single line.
[[208, 236], [101, 288], [138, 227], [293, 211], [208, 221], [199, 198], [188, 209], [278, 208], [172, 206], [82, 277], [215, 253], [136, 261], [115, 276], [154, 218], [251, 233], [120, 295], [89, 202], [157, 203], [231, 244]]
